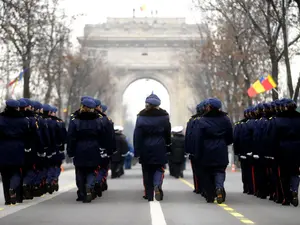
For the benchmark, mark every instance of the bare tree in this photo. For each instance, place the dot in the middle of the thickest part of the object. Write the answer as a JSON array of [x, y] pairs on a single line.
[[19, 20]]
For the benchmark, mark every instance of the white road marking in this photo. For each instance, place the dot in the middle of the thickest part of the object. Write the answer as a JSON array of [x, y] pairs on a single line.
[[157, 215], [15, 208]]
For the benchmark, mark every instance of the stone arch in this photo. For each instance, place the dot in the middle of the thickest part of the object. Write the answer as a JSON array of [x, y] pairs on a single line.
[[168, 81]]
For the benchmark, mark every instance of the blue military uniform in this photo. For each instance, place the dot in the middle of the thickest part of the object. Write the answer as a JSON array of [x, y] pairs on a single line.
[[177, 155], [214, 133], [190, 146], [152, 141], [87, 144], [14, 136], [28, 170], [287, 138], [102, 173]]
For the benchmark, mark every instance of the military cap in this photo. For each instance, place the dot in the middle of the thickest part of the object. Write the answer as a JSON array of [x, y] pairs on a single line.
[[37, 105], [28, 101], [177, 129], [214, 102], [46, 108], [23, 103], [104, 108], [12, 103], [85, 97], [260, 106], [98, 102], [53, 109], [286, 101], [90, 103], [201, 105], [153, 99], [118, 128]]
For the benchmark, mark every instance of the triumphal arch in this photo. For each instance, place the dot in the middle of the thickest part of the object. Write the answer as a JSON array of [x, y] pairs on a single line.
[[152, 48]]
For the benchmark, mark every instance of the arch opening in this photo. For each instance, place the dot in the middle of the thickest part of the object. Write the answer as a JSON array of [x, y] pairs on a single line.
[[133, 100]]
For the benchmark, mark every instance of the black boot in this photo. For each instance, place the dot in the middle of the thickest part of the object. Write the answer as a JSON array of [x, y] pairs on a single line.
[[220, 195], [104, 186], [295, 199], [27, 192], [79, 197], [158, 193], [88, 195], [98, 189], [49, 188], [13, 196], [55, 185]]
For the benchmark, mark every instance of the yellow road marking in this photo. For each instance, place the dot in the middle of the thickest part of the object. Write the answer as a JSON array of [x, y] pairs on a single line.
[[230, 210], [1, 209]]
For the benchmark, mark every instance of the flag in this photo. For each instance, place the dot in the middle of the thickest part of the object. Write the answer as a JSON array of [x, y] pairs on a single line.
[[257, 86], [251, 92], [143, 7], [18, 78], [268, 83]]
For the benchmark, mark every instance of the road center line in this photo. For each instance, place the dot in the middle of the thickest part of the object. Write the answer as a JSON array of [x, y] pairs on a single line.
[[228, 209], [157, 215]]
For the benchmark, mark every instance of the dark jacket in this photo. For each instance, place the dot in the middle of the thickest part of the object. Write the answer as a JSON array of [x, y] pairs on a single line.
[[86, 139], [177, 149], [287, 137], [14, 138], [214, 133], [60, 136], [121, 148], [152, 136]]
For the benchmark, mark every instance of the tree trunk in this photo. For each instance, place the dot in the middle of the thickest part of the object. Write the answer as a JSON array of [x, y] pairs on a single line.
[[297, 88], [286, 51], [26, 77], [275, 70]]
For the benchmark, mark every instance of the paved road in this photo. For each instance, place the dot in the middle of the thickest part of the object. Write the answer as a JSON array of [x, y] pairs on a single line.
[[122, 204]]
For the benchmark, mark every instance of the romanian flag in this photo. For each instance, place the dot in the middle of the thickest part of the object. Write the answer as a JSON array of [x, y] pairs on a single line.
[[268, 83], [261, 85], [143, 7], [18, 78]]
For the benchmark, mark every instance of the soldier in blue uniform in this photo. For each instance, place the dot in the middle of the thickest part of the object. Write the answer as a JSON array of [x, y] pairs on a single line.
[[190, 148], [110, 135], [287, 138], [58, 139], [177, 155], [87, 144], [28, 171], [14, 136], [214, 133], [152, 142], [38, 184], [117, 159]]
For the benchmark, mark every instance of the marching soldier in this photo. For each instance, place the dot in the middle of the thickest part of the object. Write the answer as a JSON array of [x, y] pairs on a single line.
[[177, 155], [14, 136], [214, 133], [152, 141], [87, 143]]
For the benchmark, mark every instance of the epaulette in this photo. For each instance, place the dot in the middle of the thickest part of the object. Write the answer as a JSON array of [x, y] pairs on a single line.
[[73, 118], [260, 118], [72, 114], [271, 118], [100, 116], [236, 123], [36, 124]]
